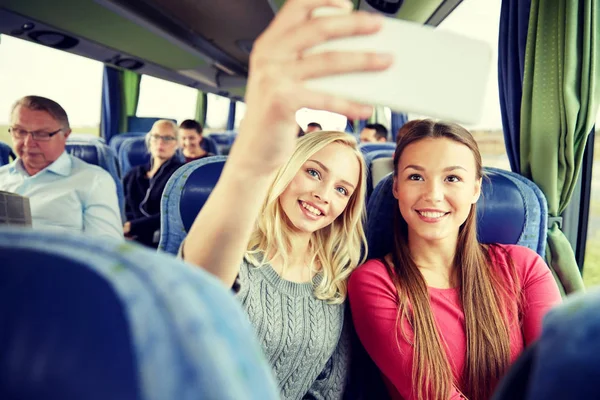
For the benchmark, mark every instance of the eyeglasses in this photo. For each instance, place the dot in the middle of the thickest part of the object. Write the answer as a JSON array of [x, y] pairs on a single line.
[[38, 136], [167, 139]]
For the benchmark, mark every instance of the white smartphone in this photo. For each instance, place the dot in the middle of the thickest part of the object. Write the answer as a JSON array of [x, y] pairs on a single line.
[[435, 73]]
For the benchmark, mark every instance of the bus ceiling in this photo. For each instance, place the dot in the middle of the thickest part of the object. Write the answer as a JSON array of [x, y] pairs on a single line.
[[202, 44]]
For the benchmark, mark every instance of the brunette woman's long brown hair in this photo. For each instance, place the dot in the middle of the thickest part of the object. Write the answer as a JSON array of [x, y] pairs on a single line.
[[487, 295]]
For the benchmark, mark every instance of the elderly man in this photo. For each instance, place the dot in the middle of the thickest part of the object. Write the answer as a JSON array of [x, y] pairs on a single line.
[[64, 192]]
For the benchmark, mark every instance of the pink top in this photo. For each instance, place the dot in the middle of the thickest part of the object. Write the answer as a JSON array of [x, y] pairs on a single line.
[[374, 304]]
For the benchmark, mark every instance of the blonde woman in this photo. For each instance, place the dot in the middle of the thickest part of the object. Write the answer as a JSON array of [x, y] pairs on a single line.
[[283, 225], [144, 184]]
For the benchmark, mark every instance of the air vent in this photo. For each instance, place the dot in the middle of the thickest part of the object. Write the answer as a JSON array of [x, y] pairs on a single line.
[[390, 7], [53, 39]]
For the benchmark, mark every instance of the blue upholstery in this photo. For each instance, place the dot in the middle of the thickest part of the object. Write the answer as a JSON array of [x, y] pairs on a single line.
[[97, 153], [223, 141], [133, 152], [117, 140], [87, 319], [511, 210], [183, 197], [6, 154], [369, 147], [563, 363], [209, 144], [143, 124], [85, 137], [369, 157]]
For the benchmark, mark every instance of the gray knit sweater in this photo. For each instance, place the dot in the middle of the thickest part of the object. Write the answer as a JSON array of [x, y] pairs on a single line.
[[301, 336]]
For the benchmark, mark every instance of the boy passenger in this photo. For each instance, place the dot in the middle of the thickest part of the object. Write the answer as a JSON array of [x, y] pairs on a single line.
[[65, 193], [192, 142]]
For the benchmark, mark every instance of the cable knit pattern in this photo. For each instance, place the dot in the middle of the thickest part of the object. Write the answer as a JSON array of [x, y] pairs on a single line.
[[301, 336]]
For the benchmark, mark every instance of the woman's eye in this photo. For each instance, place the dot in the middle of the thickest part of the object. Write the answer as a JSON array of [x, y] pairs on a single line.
[[313, 172], [453, 178], [342, 190], [415, 177]]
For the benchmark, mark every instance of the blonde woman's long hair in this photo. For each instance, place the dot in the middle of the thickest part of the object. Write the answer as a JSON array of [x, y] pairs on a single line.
[[339, 247]]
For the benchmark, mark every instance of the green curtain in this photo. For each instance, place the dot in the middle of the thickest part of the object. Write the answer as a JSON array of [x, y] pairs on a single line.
[[130, 95], [559, 105], [201, 107]]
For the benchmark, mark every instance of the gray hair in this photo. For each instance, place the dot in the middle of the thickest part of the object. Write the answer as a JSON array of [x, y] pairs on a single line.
[[38, 103]]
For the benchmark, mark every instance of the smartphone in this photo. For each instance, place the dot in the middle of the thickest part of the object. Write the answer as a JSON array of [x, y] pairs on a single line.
[[435, 73]]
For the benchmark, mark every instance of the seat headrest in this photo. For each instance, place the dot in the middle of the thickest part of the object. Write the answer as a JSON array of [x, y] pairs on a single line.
[[511, 210], [88, 319], [369, 147], [6, 154], [133, 152], [117, 140], [142, 124], [86, 151], [184, 196]]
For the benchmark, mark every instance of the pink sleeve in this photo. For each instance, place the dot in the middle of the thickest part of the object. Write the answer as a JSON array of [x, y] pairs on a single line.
[[539, 290], [374, 306]]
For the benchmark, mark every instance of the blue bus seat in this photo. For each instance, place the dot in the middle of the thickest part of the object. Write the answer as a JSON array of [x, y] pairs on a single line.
[[90, 319], [96, 153], [511, 210], [133, 152], [223, 140], [143, 124], [6, 154], [85, 137], [369, 158], [184, 196], [117, 140], [563, 363], [369, 147], [209, 144]]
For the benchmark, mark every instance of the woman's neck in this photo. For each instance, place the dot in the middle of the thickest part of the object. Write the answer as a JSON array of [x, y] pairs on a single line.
[[157, 162], [435, 260], [299, 266]]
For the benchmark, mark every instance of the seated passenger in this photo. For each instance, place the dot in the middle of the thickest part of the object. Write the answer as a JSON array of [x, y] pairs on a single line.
[[444, 316], [373, 133], [64, 192], [143, 185], [313, 127], [283, 225], [190, 134]]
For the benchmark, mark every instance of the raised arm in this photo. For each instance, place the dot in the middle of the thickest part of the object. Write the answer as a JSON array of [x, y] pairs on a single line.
[[267, 137]]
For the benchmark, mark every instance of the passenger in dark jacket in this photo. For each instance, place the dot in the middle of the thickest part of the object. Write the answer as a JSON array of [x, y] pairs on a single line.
[[144, 184]]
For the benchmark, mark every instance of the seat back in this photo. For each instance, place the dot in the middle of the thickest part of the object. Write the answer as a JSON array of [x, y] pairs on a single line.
[[380, 168], [563, 363], [223, 140], [85, 137], [6, 154], [370, 157], [97, 153], [117, 140], [143, 124], [511, 210], [209, 144], [184, 196], [88, 319], [133, 152], [369, 147]]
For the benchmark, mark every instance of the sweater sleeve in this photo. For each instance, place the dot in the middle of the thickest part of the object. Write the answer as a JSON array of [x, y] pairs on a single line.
[[374, 305], [331, 382], [539, 290]]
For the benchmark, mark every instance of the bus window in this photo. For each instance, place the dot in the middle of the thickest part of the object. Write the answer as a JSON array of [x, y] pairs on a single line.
[[74, 82], [591, 264], [240, 111], [164, 99], [329, 121], [217, 112]]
